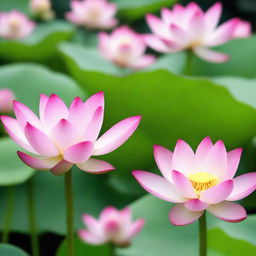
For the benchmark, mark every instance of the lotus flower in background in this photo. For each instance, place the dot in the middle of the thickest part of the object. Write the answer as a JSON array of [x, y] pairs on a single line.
[[125, 48], [15, 25], [199, 181], [112, 226], [65, 136], [42, 9], [190, 28], [6, 100], [93, 14]]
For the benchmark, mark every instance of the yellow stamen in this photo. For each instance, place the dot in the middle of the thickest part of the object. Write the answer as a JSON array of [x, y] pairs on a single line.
[[202, 181]]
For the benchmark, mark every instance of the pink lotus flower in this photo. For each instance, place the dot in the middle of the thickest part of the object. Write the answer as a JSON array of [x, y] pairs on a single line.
[[125, 48], [6, 100], [199, 181], [94, 14], [190, 28], [113, 226], [42, 9], [65, 136], [15, 25]]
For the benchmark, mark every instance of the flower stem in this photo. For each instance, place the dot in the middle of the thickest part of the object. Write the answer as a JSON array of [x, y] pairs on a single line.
[[203, 236], [112, 249], [69, 211], [188, 67], [8, 214], [32, 217]]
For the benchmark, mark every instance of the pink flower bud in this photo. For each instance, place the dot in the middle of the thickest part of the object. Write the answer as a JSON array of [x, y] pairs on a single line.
[[42, 9]]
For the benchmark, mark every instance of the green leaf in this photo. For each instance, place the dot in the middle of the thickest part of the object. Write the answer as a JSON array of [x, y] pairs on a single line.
[[136, 9], [172, 107], [159, 237], [91, 195], [82, 249], [21, 5], [12, 171], [40, 45], [242, 62], [10, 250]]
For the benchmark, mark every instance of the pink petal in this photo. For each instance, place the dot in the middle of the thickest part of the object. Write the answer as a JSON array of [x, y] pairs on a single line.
[[180, 34], [233, 162], [104, 43], [13, 129], [79, 153], [43, 101], [38, 163], [212, 17], [40, 141], [202, 152], [195, 205], [145, 61], [91, 238], [223, 33], [216, 161], [210, 55], [62, 167], [228, 211], [158, 186], [196, 25], [183, 185], [135, 228], [24, 115], [180, 216], [93, 128], [243, 29], [183, 159], [96, 166], [243, 186], [157, 26], [55, 110], [64, 134], [116, 135], [163, 158], [218, 193], [92, 225], [108, 213], [155, 43]]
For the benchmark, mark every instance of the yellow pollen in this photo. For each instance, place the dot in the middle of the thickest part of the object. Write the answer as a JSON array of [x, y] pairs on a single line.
[[202, 181]]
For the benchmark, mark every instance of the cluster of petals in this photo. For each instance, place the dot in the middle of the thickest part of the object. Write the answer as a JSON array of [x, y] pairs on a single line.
[[125, 48], [15, 25], [113, 226], [42, 9], [93, 14], [65, 136], [191, 28], [6, 100], [199, 181]]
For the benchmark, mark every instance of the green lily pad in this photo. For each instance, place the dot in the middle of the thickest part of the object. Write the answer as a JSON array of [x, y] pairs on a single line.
[[21, 5], [10, 250], [41, 45]]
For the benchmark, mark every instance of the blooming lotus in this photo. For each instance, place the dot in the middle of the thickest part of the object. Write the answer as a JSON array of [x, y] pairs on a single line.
[[199, 181], [42, 9], [190, 28], [15, 25], [61, 136], [113, 226], [6, 100], [94, 14], [125, 48]]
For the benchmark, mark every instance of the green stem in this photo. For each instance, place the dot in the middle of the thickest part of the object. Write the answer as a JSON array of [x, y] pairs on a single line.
[[32, 217], [189, 61], [112, 249], [8, 214], [202, 236], [70, 213]]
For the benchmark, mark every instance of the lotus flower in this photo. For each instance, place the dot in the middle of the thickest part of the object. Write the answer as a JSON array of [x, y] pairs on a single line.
[[199, 181], [15, 25], [42, 9], [65, 136], [113, 226], [93, 14], [190, 28], [6, 100], [125, 48]]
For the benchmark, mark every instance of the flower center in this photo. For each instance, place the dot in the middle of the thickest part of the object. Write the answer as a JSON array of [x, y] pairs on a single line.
[[202, 181]]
